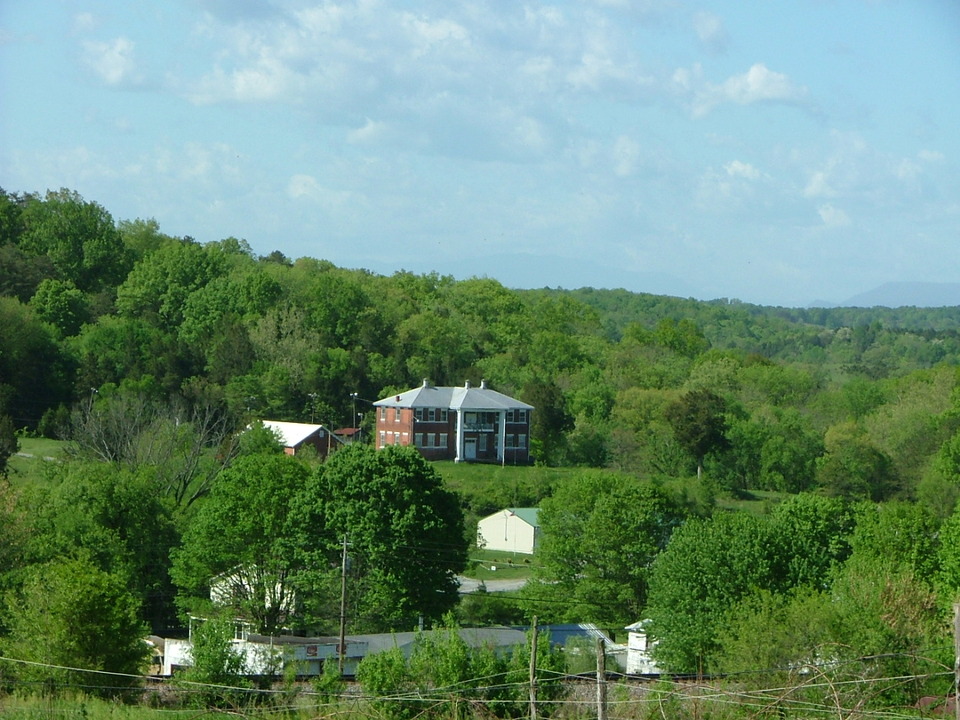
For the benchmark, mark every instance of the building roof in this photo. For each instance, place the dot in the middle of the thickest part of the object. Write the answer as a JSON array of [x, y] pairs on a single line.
[[292, 433], [454, 398], [529, 515]]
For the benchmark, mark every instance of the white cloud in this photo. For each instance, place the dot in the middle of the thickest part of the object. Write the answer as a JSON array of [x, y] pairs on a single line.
[[113, 61], [819, 186], [710, 31], [84, 22], [369, 133], [301, 186], [742, 169], [307, 187], [833, 216], [626, 153], [931, 156], [758, 84], [426, 35]]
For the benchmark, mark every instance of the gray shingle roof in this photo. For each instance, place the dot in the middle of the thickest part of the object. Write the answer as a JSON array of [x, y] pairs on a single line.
[[454, 398]]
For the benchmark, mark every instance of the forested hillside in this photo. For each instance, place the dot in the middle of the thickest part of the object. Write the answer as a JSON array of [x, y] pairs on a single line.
[[148, 353], [97, 309]]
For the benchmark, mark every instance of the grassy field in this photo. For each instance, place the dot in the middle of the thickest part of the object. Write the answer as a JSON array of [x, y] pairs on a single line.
[[495, 565], [31, 465]]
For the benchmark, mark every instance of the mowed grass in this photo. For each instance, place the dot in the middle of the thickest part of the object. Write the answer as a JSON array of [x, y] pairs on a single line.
[[497, 565], [32, 464], [42, 447]]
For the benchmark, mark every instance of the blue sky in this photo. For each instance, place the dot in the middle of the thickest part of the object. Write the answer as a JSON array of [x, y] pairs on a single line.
[[771, 151]]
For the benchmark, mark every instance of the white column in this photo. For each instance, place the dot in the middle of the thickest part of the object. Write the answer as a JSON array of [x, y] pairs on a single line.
[[459, 456], [502, 440]]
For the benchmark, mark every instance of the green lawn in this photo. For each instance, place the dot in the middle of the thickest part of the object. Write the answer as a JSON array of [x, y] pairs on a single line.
[[42, 447], [509, 566], [25, 471]]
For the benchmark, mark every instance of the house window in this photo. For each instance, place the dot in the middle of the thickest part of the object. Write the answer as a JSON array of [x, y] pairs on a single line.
[[418, 413], [418, 439], [443, 440], [396, 414], [442, 413], [383, 414], [432, 414], [522, 442], [383, 438], [483, 443]]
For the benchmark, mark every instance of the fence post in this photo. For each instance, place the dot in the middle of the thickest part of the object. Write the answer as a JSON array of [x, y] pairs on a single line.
[[601, 680]]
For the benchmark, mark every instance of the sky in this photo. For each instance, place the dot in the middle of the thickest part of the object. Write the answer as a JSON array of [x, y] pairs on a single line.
[[771, 151]]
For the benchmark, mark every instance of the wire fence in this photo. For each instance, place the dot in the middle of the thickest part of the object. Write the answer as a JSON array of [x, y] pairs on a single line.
[[817, 693]]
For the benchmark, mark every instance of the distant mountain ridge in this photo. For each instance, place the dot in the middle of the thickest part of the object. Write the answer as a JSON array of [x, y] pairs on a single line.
[[908, 294]]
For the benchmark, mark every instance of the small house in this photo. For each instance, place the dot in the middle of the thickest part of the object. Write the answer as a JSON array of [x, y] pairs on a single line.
[[510, 530], [296, 436]]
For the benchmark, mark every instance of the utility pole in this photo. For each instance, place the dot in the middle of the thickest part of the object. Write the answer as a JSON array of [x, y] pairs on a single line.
[[533, 671], [342, 647], [601, 680]]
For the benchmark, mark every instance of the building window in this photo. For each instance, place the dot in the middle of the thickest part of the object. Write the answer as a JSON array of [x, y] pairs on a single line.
[[432, 414], [383, 438], [443, 440], [483, 443], [396, 414], [418, 439], [383, 413], [522, 442], [418, 413], [442, 412]]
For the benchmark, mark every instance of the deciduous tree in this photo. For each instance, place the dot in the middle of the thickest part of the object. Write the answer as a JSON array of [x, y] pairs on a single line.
[[405, 531], [71, 619], [242, 541]]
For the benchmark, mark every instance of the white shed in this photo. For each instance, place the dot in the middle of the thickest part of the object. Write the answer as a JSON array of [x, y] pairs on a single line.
[[510, 530], [639, 658]]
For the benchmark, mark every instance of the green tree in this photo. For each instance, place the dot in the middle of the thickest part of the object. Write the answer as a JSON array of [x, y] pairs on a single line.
[[157, 289], [79, 237], [62, 304], [698, 419], [549, 421], [9, 443], [852, 467], [77, 626], [215, 677], [708, 567], [113, 518], [683, 337], [34, 369], [405, 530], [241, 543], [813, 535], [599, 536]]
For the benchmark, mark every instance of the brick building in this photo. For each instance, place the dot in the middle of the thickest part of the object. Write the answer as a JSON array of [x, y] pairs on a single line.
[[471, 424]]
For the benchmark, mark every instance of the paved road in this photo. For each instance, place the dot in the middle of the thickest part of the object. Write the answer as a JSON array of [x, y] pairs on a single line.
[[469, 585]]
